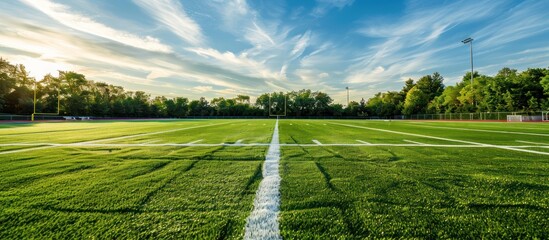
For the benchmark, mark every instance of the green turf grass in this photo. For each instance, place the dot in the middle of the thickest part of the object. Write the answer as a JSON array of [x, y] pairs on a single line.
[[411, 192], [131, 192], [328, 192]]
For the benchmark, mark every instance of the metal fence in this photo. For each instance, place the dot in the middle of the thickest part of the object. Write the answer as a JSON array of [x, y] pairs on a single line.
[[11, 117], [495, 116]]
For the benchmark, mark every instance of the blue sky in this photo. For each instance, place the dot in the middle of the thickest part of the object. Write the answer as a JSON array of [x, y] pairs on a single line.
[[224, 48]]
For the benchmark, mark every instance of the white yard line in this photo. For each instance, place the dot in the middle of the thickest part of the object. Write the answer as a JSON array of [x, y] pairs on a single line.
[[543, 144], [317, 142], [197, 141], [483, 130], [418, 143], [104, 140], [25, 150], [445, 139], [364, 142], [263, 221]]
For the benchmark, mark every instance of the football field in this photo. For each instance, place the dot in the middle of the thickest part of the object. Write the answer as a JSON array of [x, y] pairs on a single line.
[[339, 179]]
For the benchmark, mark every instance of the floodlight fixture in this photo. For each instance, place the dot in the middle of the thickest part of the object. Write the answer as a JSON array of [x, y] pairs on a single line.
[[470, 42]]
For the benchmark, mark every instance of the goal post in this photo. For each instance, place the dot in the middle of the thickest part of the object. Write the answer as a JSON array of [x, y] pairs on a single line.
[[34, 113], [278, 105], [545, 116], [514, 118]]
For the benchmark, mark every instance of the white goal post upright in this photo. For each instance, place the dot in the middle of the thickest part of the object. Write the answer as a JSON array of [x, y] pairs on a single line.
[[545, 116]]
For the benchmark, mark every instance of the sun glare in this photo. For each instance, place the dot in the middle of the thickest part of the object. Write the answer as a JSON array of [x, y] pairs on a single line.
[[38, 68]]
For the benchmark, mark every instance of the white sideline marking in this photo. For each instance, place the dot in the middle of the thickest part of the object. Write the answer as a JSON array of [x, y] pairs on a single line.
[[197, 141], [317, 142], [263, 221], [418, 143], [238, 142], [48, 145], [446, 139], [543, 144], [483, 130], [104, 140], [360, 141], [25, 149]]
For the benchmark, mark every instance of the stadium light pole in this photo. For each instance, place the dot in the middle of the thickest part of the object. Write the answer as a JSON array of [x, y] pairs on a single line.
[[347, 95], [470, 42]]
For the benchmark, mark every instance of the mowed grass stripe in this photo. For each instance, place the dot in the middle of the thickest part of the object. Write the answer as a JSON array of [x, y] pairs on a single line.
[[482, 130], [495, 138], [87, 131], [424, 193], [151, 199], [249, 131], [526, 127], [108, 139], [446, 139], [297, 132]]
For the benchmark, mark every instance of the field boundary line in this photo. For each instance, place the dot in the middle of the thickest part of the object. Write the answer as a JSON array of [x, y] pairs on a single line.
[[484, 130], [445, 139], [47, 145], [414, 142], [151, 133], [263, 220], [542, 144], [363, 142], [104, 140]]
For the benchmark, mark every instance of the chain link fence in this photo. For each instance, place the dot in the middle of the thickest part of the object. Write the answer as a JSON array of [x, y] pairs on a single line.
[[494, 116]]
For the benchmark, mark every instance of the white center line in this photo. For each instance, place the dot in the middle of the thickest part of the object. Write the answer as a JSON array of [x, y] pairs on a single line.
[[263, 221]]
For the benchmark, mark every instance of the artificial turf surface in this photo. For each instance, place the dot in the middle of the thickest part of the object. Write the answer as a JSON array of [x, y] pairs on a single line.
[[396, 188]]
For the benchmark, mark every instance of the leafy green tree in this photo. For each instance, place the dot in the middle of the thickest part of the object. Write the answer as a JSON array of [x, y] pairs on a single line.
[[416, 101], [7, 83], [322, 103], [199, 107]]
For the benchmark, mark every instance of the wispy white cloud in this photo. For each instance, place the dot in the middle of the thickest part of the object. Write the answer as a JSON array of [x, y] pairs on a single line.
[[172, 14], [231, 61], [323, 6], [234, 47], [65, 16], [202, 89], [408, 45], [114, 63], [524, 20], [301, 44]]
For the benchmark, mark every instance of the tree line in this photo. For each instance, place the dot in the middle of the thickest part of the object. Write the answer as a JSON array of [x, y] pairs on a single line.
[[508, 90]]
